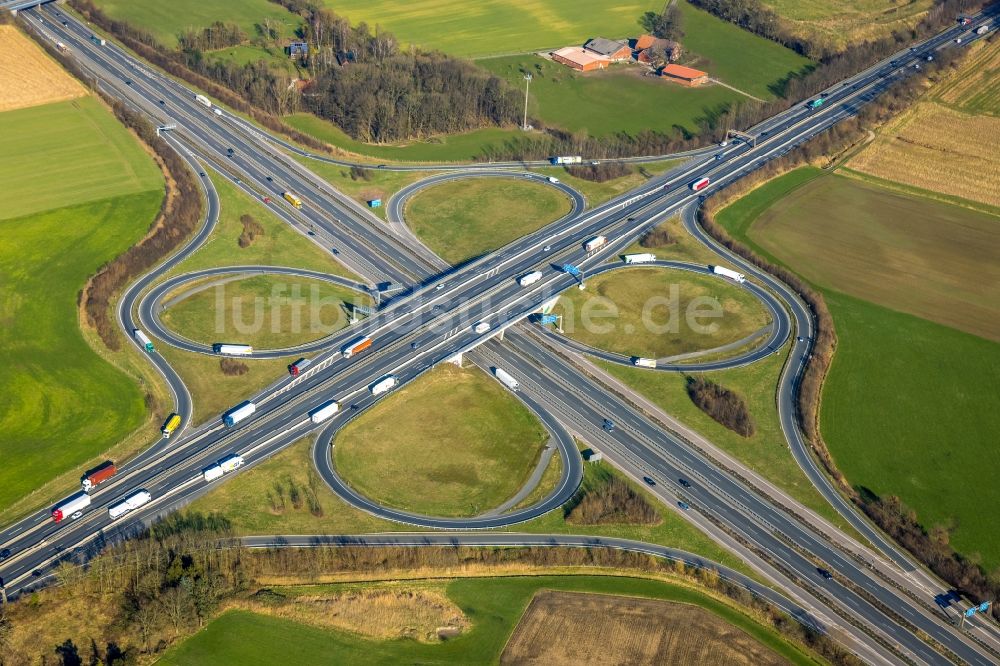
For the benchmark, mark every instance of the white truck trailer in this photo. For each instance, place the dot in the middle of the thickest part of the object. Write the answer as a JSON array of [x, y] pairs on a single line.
[[325, 411], [530, 278], [643, 258], [730, 274], [224, 349], [387, 383], [130, 503], [506, 379], [238, 413]]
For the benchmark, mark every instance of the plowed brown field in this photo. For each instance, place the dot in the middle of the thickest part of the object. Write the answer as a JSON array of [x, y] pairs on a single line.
[[568, 628]]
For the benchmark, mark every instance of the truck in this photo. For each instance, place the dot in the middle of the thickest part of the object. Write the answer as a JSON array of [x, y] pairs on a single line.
[[481, 327], [699, 184], [729, 273], [815, 103], [553, 180], [211, 473], [143, 340], [130, 503], [295, 369], [98, 475], [292, 199], [226, 349], [530, 278], [640, 362], [204, 101], [643, 258], [324, 411], [231, 463], [594, 243], [964, 20], [356, 347], [238, 413], [100, 41], [171, 425], [566, 159], [77, 502], [506, 379], [982, 30], [387, 383]]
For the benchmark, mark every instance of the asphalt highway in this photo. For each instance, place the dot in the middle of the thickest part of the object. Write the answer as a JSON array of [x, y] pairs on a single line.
[[414, 333]]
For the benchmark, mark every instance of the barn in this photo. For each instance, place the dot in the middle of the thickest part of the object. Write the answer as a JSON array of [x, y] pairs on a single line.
[[579, 59], [684, 75], [609, 48]]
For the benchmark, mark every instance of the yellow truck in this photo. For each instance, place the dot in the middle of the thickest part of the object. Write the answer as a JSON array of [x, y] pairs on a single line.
[[292, 199], [172, 423]]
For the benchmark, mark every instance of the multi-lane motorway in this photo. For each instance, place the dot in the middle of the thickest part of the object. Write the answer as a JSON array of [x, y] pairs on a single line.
[[884, 610]]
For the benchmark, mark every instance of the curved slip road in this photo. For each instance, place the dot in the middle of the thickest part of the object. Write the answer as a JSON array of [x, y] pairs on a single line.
[[771, 344], [151, 306], [572, 475]]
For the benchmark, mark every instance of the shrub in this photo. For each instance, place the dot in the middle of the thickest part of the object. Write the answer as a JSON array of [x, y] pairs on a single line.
[[251, 229], [658, 237], [723, 405], [600, 173], [233, 368], [612, 501]]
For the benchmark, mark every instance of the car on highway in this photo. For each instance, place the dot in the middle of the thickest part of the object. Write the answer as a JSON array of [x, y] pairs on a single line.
[[202, 174], [270, 180], [958, 40], [4, 554], [267, 199], [439, 286], [609, 425], [684, 505], [162, 102], [649, 481], [76, 515], [546, 248], [64, 23], [718, 156], [128, 82], [684, 482], [825, 573], [415, 344]]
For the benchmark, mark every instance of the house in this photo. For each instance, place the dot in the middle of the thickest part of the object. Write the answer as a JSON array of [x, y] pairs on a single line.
[[654, 51], [609, 48], [345, 57], [297, 50], [684, 75], [579, 59]]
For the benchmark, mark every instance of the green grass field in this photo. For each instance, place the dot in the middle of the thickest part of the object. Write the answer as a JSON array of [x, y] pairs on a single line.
[[266, 311], [246, 54], [908, 408], [78, 192], [908, 253], [735, 56], [463, 219], [454, 443], [165, 20], [618, 99], [61, 404], [654, 313], [494, 27], [494, 606], [597, 193], [66, 154]]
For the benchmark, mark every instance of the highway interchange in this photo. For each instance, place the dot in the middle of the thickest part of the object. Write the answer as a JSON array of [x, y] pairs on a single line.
[[422, 325]]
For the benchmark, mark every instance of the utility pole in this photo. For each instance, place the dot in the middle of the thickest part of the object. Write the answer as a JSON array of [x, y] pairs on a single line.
[[527, 82]]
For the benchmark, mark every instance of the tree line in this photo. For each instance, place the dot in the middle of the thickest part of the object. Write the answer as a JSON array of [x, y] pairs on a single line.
[[216, 36], [168, 581], [930, 546]]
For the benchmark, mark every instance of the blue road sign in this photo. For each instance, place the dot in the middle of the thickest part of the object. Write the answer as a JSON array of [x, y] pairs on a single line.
[[971, 611], [983, 607], [571, 269]]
